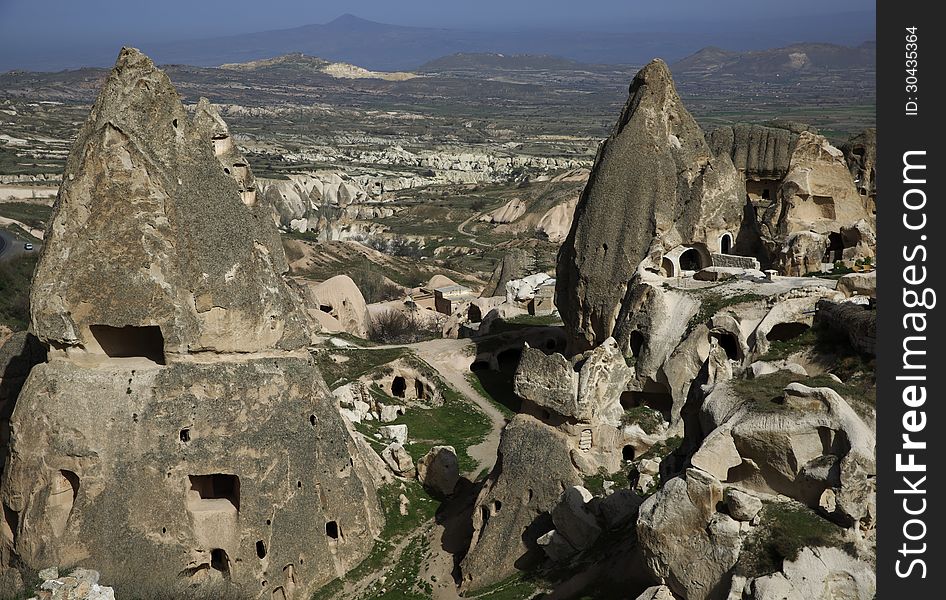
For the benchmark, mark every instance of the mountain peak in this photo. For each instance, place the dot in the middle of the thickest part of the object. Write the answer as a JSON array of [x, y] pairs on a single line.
[[350, 21]]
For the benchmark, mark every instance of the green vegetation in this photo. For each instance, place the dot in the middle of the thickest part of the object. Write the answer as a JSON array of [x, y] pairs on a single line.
[[785, 528], [420, 510], [647, 418], [15, 277], [663, 449], [595, 483], [28, 213], [456, 423], [524, 321], [353, 363], [515, 587], [765, 392], [713, 302]]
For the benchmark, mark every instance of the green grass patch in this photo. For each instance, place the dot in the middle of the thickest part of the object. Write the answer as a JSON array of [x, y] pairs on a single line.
[[515, 587], [713, 302], [524, 321], [358, 363], [595, 483], [785, 528], [28, 213], [766, 392], [15, 277], [647, 418]]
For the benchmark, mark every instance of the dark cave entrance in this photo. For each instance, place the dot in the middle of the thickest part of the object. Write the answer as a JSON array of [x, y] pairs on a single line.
[[130, 341]]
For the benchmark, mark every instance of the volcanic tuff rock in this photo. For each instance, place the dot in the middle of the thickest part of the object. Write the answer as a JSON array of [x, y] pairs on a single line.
[[861, 155], [758, 151], [516, 264], [134, 448], [234, 164], [189, 258], [656, 184], [511, 511]]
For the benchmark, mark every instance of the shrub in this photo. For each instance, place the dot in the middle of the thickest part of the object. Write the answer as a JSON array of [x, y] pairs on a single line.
[[375, 287], [399, 327]]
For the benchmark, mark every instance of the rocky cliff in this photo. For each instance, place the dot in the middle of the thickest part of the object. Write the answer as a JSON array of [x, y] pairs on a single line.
[[179, 439], [656, 184]]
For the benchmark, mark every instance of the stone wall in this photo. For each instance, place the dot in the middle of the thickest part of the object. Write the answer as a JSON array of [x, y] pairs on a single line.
[[731, 260]]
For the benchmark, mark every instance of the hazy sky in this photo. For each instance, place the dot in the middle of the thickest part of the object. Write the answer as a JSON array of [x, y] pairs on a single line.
[[29, 22]]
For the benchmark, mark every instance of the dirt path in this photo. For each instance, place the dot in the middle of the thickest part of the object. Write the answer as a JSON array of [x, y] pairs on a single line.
[[452, 359], [462, 231]]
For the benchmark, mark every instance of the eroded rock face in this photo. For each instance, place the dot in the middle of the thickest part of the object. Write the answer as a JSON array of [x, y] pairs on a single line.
[[338, 305], [656, 185], [816, 574], [108, 479], [685, 541], [758, 151], [861, 155], [148, 231], [179, 432], [511, 512], [439, 470], [813, 447]]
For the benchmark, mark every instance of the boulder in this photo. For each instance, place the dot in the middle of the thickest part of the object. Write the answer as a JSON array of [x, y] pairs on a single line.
[[741, 505], [819, 573], [657, 592], [858, 284], [685, 541], [574, 520], [439, 470], [390, 412], [397, 458], [548, 380], [556, 546], [394, 433]]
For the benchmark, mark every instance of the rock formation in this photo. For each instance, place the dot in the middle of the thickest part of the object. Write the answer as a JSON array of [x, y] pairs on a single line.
[[338, 305], [760, 152], [861, 155], [656, 185], [180, 431]]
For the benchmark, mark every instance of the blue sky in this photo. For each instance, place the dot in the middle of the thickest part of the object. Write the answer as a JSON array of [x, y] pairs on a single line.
[[52, 21]]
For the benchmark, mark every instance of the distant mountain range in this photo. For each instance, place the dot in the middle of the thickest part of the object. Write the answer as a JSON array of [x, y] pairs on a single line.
[[380, 46], [778, 62]]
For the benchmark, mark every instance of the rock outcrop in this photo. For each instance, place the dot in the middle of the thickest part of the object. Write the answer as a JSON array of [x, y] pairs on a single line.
[[861, 155], [512, 510], [656, 185], [180, 431], [338, 305], [758, 151]]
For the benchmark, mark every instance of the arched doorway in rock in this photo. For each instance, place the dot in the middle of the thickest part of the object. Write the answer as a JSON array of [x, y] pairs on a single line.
[[398, 387], [666, 267], [728, 342], [690, 260], [725, 243]]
